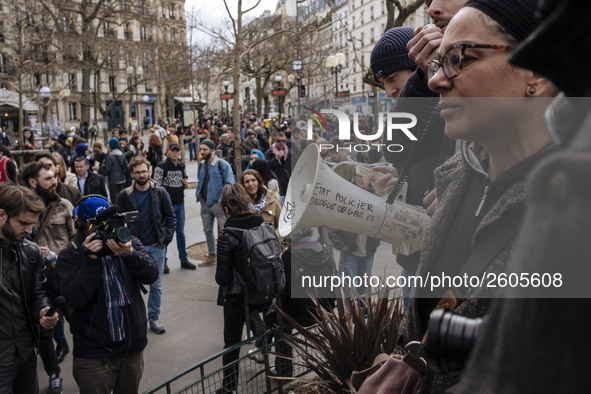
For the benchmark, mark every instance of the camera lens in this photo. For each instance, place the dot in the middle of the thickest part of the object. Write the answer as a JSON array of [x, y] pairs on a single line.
[[123, 234], [450, 340]]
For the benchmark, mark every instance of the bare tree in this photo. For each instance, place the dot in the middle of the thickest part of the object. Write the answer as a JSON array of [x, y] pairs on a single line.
[[28, 57], [87, 32], [404, 11]]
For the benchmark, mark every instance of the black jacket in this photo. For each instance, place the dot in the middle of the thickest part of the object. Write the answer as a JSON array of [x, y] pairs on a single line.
[[95, 184], [281, 168], [80, 280], [162, 210], [33, 277], [230, 255]]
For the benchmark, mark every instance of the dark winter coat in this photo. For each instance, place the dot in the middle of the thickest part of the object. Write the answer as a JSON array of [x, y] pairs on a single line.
[[80, 280], [505, 197], [162, 211], [95, 184], [230, 255]]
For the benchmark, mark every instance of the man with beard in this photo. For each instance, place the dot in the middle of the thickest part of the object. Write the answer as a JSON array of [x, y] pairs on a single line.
[[23, 301], [68, 192], [53, 232], [154, 229], [213, 173]]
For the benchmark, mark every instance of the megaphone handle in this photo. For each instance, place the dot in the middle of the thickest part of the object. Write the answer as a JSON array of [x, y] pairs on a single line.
[[426, 120]]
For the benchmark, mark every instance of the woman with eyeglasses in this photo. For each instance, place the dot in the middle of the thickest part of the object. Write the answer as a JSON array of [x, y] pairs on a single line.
[[497, 111]]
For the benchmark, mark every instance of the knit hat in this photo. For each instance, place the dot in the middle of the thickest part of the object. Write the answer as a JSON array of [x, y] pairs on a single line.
[[208, 143], [113, 143], [81, 149], [390, 54], [518, 18]]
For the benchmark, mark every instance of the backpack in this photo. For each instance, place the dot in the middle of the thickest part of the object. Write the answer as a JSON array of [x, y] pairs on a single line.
[[264, 272]]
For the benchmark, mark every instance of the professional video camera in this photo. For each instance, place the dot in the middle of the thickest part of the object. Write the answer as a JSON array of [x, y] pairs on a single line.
[[450, 340], [111, 224]]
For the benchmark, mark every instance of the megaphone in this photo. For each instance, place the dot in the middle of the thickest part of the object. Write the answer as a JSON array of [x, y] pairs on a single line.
[[317, 196]]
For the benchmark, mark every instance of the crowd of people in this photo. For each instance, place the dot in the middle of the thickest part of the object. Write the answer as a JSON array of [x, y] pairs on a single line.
[[93, 225]]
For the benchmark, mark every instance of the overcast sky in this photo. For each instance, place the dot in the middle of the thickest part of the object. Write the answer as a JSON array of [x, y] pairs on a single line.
[[213, 12]]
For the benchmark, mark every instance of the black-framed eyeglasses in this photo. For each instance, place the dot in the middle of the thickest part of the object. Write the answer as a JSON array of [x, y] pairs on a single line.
[[453, 57]]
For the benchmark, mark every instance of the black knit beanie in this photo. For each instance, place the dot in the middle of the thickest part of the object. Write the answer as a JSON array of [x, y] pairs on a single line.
[[208, 143], [390, 54], [517, 17]]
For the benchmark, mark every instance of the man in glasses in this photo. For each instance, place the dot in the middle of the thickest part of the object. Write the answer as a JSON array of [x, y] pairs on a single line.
[[154, 229], [279, 158]]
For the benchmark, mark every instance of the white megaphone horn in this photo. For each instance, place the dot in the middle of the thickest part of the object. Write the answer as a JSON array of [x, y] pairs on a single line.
[[317, 196]]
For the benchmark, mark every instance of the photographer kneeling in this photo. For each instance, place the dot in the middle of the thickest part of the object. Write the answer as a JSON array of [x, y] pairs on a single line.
[[101, 280]]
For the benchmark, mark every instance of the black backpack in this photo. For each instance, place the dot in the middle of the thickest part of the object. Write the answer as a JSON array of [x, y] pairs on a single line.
[[264, 274]]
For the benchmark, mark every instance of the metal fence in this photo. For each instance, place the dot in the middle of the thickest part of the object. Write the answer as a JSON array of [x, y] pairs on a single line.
[[257, 370]]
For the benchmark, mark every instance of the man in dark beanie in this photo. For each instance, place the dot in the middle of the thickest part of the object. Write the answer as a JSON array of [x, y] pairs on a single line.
[[213, 173], [389, 61], [392, 66]]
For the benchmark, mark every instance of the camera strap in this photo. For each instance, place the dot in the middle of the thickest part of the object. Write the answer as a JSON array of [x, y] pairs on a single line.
[[499, 237]]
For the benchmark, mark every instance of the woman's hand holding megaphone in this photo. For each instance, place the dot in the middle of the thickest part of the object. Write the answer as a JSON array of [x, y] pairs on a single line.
[[384, 185]]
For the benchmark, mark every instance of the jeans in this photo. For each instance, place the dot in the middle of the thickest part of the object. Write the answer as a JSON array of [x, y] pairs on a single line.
[[155, 298], [355, 266], [192, 150], [208, 215], [20, 377], [179, 211]]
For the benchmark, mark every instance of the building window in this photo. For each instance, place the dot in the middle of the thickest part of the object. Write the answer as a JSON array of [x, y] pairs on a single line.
[[145, 61], [124, 5], [128, 60], [173, 35], [73, 82], [371, 12], [112, 85], [143, 33], [130, 83], [128, 32], [181, 12], [73, 111], [110, 61], [143, 9], [108, 31], [148, 85], [163, 10], [171, 11], [372, 35]]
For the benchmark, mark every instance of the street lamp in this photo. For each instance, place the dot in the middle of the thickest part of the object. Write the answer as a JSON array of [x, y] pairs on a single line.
[[145, 99], [278, 79], [226, 83], [134, 73], [45, 93], [336, 63]]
